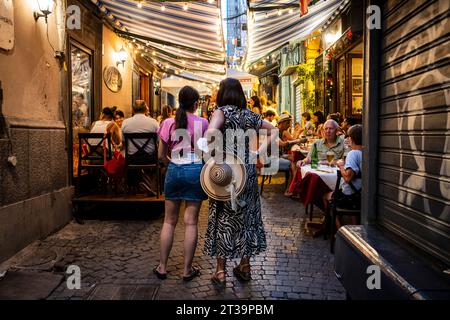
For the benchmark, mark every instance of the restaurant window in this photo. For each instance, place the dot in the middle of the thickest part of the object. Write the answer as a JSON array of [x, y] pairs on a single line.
[[81, 93], [356, 85]]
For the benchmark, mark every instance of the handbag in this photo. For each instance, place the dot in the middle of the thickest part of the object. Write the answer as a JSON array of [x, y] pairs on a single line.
[[115, 168], [344, 201]]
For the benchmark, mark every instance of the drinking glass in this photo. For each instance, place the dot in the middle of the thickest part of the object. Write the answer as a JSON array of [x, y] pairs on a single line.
[[330, 157]]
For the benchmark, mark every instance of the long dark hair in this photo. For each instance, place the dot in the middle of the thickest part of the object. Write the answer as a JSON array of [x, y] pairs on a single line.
[[231, 93], [320, 116], [256, 103], [187, 98], [166, 111]]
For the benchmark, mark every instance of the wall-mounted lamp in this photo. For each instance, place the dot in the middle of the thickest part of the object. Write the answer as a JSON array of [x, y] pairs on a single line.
[[121, 57], [45, 8]]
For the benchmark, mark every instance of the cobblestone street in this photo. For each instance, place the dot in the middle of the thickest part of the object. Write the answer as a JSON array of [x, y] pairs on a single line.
[[116, 259]]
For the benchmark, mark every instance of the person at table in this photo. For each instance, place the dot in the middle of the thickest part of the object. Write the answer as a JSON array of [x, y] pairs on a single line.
[[307, 124], [347, 123], [350, 170], [270, 116], [319, 120], [285, 142], [140, 123], [106, 125], [286, 139], [330, 142]]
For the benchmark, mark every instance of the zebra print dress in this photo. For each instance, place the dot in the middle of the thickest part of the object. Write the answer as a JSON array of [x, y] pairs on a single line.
[[236, 234]]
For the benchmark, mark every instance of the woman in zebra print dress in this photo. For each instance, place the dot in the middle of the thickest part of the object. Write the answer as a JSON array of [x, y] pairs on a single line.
[[236, 233]]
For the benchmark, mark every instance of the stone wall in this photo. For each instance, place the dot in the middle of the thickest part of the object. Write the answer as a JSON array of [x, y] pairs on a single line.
[[35, 194]]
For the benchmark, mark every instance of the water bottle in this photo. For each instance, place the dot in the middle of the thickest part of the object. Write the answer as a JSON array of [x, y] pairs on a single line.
[[314, 159]]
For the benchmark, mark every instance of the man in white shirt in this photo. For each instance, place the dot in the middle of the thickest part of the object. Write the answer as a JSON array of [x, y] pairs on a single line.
[[140, 123]]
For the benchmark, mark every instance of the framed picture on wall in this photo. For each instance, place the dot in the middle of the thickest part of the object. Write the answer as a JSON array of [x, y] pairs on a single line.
[[112, 78], [357, 85]]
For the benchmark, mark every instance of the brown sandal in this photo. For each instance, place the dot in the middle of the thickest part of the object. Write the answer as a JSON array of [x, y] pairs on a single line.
[[216, 280], [242, 275]]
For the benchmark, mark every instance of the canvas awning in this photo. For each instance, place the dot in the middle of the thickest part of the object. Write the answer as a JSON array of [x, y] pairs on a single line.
[[171, 37], [270, 29]]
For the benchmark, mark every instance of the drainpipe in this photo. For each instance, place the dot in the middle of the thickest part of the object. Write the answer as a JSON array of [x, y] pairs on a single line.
[[372, 62]]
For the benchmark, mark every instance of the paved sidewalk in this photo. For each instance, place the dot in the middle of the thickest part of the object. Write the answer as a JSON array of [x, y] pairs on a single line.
[[116, 259]]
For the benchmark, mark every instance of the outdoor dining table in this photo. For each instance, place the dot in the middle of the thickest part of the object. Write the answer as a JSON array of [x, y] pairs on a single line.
[[312, 185], [326, 173]]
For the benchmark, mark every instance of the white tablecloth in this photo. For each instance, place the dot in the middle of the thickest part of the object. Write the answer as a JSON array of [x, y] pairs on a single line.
[[329, 177]]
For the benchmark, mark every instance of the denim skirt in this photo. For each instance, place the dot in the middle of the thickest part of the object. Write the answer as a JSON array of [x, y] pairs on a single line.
[[183, 182]]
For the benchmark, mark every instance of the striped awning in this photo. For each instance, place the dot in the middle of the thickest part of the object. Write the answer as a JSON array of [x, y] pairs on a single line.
[[270, 29], [175, 38]]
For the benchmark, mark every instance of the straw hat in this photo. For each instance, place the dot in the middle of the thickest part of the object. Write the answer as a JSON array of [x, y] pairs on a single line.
[[223, 181], [284, 117]]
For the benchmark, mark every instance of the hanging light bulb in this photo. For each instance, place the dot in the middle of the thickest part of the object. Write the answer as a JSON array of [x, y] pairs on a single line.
[[279, 12], [185, 7], [139, 4], [291, 11], [163, 8]]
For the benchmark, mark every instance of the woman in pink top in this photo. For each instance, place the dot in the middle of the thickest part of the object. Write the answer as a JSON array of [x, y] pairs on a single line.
[[178, 137]]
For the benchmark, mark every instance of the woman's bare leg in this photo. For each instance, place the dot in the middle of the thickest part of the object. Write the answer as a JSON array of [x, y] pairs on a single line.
[[172, 209], [190, 234]]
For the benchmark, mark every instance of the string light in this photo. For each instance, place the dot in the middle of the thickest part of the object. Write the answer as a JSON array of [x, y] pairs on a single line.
[[163, 8], [279, 12], [139, 4], [185, 7], [291, 11]]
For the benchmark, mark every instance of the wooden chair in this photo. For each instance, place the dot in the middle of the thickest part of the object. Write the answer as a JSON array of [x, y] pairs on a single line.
[[338, 211], [91, 154], [287, 174], [141, 159]]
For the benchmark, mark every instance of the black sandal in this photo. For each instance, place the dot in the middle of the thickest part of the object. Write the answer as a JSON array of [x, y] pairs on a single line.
[[159, 275], [242, 275], [220, 282], [195, 272]]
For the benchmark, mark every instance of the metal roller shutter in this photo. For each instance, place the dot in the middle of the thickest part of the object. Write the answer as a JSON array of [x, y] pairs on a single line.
[[414, 125]]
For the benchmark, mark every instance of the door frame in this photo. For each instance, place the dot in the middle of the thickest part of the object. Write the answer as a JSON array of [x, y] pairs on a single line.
[[72, 42]]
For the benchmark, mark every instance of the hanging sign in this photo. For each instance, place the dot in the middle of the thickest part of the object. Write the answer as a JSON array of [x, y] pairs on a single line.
[[6, 25]]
